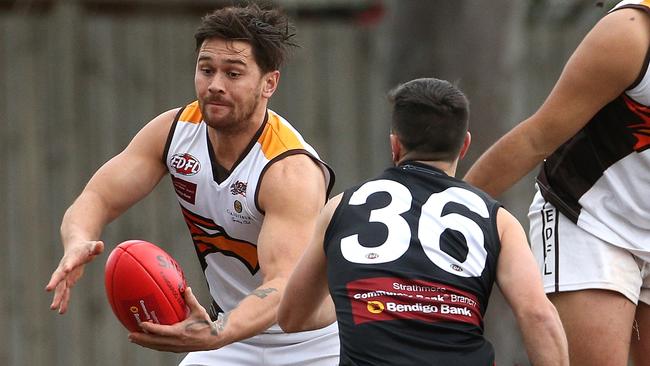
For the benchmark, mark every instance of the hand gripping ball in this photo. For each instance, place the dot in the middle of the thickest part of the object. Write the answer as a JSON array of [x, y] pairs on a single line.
[[144, 284]]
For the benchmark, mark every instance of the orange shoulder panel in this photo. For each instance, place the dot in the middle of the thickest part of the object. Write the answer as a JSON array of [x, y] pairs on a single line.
[[191, 113], [278, 138]]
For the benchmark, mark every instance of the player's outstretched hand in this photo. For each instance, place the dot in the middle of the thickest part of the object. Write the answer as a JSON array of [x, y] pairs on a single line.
[[195, 333], [70, 269]]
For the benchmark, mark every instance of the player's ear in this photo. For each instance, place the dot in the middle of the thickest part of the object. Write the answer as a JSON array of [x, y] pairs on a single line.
[[395, 148], [271, 80], [465, 147]]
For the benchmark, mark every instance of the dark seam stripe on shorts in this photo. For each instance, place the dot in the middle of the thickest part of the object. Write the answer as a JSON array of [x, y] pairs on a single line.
[[555, 244], [557, 252]]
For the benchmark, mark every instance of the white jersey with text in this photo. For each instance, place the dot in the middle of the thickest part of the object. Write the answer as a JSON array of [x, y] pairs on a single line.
[[599, 178], [221, 208]]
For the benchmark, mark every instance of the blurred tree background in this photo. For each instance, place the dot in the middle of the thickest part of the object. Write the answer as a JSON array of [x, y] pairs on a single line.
[[78, 78]]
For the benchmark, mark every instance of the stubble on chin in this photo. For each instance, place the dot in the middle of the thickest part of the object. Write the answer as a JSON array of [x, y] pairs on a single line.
[[233, 122]]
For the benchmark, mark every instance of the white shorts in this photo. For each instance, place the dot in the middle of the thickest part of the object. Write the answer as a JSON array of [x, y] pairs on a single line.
[[318, 348], [571, 258]]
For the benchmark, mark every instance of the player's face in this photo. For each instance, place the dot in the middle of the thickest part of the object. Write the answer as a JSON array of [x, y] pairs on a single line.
[[229, 85]]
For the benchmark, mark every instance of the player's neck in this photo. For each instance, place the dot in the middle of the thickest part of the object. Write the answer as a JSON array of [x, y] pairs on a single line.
[[228, 146], [448, 167]]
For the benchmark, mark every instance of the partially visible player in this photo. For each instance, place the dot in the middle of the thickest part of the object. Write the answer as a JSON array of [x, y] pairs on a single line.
[[250, 190], [410, 256], [590, 219]]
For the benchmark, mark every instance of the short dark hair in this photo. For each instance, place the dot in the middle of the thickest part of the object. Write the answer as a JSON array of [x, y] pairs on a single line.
[[430, 118], [266, 29]]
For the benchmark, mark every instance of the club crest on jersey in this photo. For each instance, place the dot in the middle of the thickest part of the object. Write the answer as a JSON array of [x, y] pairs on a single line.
[[185, 164], [237, 206], [237, 215], [238, 187]]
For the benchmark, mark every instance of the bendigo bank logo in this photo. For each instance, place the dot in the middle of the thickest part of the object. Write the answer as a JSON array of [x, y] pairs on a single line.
[[185, 164], [375, 307]]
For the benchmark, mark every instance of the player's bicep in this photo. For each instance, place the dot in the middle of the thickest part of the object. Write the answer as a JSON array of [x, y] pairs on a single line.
[[607, 61], [305, 303], [134, 172], [518, 276], [309, 276], [292, 194]]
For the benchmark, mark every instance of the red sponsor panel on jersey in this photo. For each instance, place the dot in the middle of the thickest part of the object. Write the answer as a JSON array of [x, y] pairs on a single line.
[[390, 298], [185, 190]]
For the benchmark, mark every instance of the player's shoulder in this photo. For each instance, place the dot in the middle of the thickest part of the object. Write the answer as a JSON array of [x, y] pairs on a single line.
[[154, 134], [626, 18], [507, 222], [631, 4], [293, 179], [166, 118], [297, 167]]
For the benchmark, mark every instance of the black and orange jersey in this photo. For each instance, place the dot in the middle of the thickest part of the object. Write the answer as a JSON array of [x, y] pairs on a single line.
[[411, 261]]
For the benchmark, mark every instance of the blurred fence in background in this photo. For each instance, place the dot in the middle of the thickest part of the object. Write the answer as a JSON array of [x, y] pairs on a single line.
[[79, 78]]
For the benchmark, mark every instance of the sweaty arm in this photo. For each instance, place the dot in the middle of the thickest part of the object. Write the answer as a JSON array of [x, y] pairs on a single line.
[[606, 62], [306, 304], [292, 193], [116, 186], [520, 282]]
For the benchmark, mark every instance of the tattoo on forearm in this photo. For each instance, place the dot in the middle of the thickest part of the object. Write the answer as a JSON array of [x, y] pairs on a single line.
[[220, 324], [216, 327], [263, 292], [198, 325]]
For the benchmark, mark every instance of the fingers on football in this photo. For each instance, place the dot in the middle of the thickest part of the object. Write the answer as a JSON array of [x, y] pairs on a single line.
[[159, 329], [191, 300]]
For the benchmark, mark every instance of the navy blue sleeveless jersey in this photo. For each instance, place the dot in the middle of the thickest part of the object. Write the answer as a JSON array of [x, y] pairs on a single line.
[[411, 260]]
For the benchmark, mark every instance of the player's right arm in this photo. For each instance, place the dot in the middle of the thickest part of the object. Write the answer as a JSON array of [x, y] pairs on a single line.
[[117, 185], [605, 63], [306, 304], [520, 282]]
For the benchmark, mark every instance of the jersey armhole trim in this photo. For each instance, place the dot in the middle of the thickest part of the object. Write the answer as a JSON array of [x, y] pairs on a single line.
[[494, 227], [170, 136], [644, 67], [334, 219], [276, 159]]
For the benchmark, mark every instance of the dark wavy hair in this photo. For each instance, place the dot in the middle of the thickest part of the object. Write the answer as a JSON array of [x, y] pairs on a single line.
[[267, 30], [430, 118]]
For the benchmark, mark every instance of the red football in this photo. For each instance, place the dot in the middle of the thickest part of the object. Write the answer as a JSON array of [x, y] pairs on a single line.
[[144, 284]]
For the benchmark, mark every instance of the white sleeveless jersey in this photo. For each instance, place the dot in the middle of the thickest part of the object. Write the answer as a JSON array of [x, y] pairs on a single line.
[[600, 178], [224, 217]]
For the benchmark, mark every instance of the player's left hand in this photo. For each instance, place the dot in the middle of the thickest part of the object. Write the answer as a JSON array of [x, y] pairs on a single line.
[[196, 333]]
